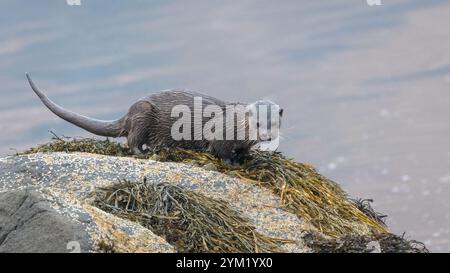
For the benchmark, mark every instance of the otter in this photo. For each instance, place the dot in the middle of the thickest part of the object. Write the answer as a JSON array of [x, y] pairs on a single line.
[[149, 123]]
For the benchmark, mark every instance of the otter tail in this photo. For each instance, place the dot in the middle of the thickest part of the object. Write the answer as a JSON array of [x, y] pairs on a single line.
[[112, 128]]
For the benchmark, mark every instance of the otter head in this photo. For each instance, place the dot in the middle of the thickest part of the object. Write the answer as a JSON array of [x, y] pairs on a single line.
[[266, 116]]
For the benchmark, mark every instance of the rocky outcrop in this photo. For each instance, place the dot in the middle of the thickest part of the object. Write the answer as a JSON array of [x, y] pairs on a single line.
[[49, 202], [29, 224], [64, 183]]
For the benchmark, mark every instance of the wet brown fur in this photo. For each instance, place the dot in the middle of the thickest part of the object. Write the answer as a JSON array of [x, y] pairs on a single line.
[[148, 122]]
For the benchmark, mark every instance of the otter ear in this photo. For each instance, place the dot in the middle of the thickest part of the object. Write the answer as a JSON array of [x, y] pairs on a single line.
[[281, 112]]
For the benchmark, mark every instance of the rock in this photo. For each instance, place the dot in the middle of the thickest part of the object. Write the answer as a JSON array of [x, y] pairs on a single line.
[[47, 204], [29, 224], [66, 181], [210, 167], [374, 247]]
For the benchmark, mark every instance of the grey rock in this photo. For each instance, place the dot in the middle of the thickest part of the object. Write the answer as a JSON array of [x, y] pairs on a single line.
[[374, 247], [29, 224], [210, 167], [68, 180]]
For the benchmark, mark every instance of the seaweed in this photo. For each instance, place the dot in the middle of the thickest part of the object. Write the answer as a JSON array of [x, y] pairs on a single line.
[[387, 243], [301, 188], [84, 145], [189, 221], [365, 206], [104, 246], [303, 191]]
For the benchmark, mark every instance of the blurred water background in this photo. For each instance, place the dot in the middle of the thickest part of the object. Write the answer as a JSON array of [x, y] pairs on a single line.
[[365, 88]]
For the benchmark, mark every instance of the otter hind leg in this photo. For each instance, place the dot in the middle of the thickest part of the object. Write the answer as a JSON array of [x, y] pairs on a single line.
[[136, 140], [140, 120]]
